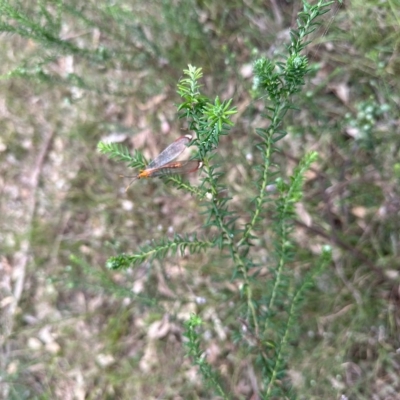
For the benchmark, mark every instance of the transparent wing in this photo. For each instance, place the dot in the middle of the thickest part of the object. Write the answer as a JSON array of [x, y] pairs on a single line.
[[170, 153]]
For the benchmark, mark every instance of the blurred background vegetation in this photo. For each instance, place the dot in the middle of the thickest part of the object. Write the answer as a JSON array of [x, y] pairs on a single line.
[[77, 72]]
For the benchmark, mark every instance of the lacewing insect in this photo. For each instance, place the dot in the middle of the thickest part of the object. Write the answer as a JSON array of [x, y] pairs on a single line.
[[163, 165]]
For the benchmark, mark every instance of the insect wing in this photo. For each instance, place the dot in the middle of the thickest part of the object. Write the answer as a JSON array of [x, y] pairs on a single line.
[[176, 167], [170, 153]]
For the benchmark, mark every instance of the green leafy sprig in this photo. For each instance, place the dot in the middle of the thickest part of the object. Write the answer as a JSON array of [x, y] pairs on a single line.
[[269, 314]]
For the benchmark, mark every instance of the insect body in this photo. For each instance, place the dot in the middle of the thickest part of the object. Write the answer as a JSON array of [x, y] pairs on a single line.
[[163, 165], [171, 168]]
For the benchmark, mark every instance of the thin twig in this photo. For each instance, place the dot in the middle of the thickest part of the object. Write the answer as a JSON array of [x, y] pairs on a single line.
[[22, 256]]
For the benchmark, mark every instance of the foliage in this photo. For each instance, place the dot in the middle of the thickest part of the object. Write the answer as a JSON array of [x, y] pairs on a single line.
[[211, 120], [248, 273]]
